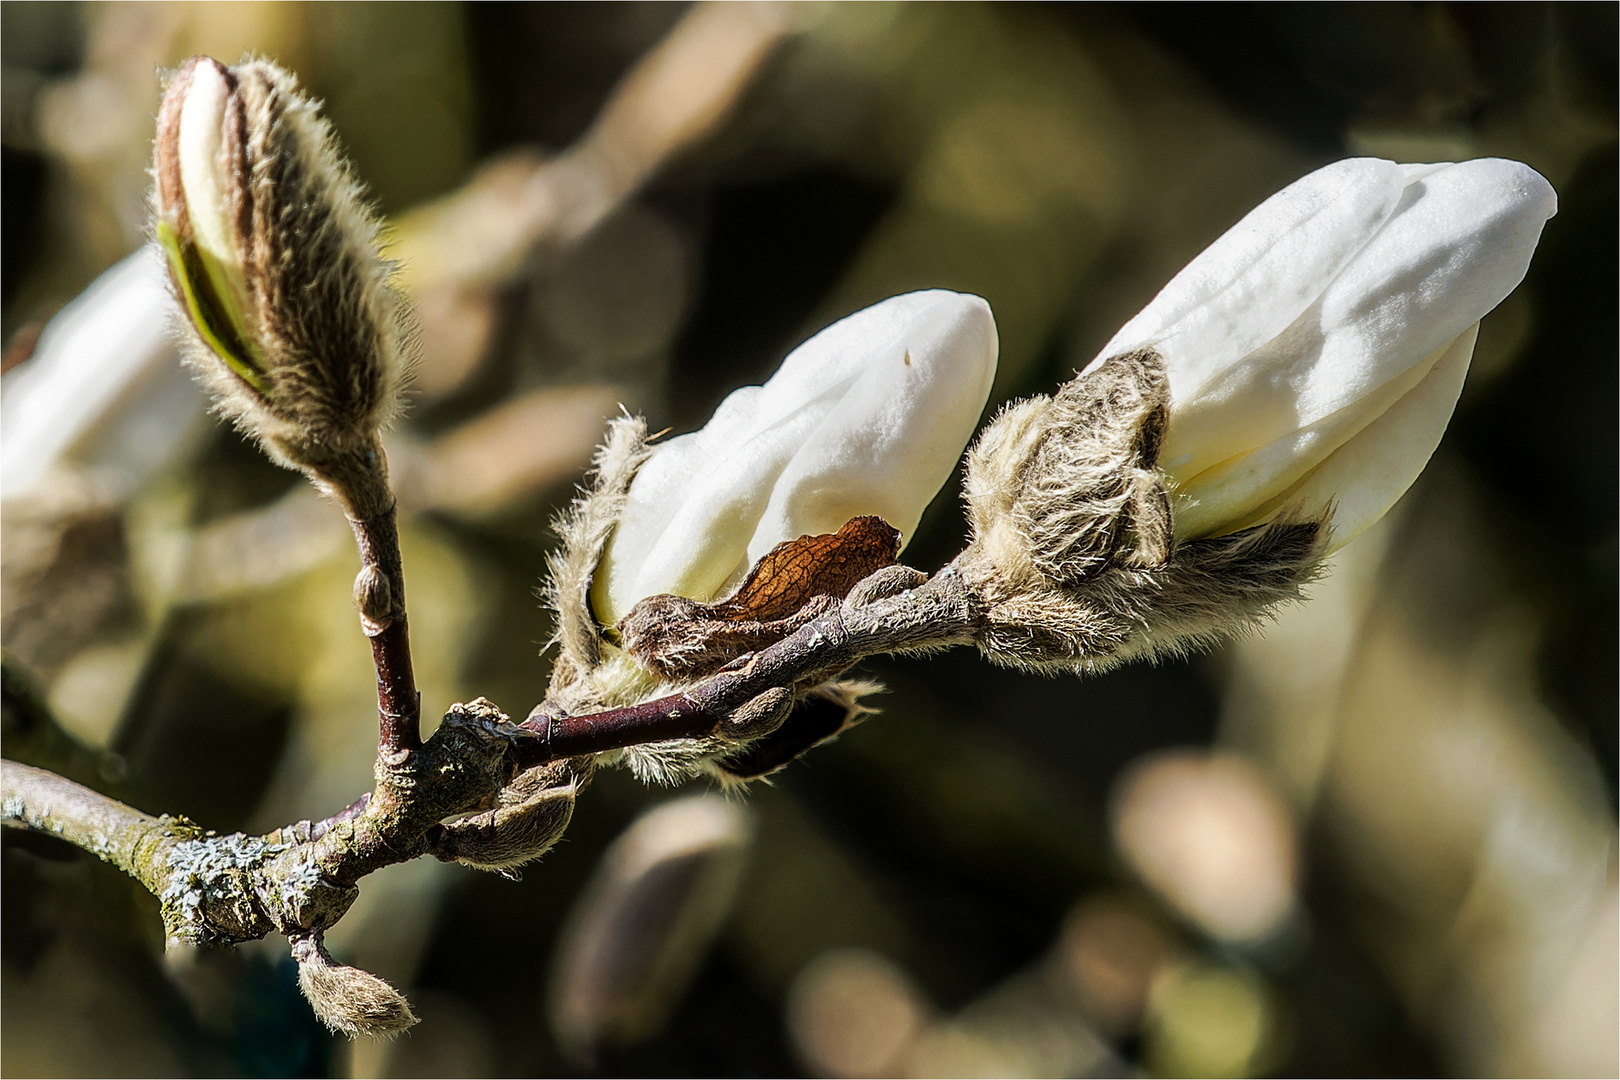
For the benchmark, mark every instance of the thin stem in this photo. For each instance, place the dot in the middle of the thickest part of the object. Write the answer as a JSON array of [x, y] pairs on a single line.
[[399, 704]]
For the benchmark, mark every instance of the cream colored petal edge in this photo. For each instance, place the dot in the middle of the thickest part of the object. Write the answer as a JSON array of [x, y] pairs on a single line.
[[1372, 471], [202, 164], [1240, 490]]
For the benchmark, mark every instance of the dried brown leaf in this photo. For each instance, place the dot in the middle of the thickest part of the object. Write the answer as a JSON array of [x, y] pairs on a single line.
[[793, 583]]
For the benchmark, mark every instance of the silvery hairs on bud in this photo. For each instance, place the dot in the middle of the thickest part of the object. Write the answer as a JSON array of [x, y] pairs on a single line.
[[584, 529], [1074, 555], [584, 677], [346, 999], [297, 331], [530, 816]]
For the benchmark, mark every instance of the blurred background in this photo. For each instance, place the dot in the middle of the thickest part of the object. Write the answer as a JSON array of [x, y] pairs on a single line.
[[1378, 840]]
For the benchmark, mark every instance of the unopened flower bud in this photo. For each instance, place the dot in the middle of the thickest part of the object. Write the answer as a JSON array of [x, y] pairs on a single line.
[[1274, 400], [275, 258], [868, 417], [1315, 352], [685, 555]]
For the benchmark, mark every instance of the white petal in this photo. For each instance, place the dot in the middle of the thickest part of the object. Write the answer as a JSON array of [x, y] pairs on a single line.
[[1257, 279], [1374, 469], [868, 417], [202, 161], [1244, 489], [1459, 243]]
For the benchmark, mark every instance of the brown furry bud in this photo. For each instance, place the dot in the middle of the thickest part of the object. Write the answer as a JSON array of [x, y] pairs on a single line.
[[1073, 550], [275, 259], [346, 999]]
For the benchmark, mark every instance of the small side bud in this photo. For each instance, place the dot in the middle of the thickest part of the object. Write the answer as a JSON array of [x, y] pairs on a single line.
[[346, 999], [374, 597], [759, 716], [294, 326], [823, 714], [884, 583], [533, 813]]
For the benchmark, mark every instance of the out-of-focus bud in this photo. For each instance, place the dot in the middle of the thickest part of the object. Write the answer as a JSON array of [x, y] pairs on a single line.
[[1211, 1019], [1212, 836], [852, 1012], [644, 923], [868, 417], [275, 258], [1274, 400], [1315, 351]]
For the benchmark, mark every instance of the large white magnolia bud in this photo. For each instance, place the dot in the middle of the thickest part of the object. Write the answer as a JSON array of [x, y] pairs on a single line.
[[1315, 352], [869, 417], [1273, 401]]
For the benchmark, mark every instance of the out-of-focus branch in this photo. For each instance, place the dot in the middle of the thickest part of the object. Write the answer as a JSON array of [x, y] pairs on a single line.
[[674, 96], [455, 252]]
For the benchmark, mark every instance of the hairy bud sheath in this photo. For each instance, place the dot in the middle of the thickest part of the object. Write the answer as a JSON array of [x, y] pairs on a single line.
[[294, 327], [347, 1000], [1073, 555]]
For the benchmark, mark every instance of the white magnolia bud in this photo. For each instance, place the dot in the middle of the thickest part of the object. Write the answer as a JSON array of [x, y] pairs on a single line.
[[276, 261], [868, 417], [1316, 350]]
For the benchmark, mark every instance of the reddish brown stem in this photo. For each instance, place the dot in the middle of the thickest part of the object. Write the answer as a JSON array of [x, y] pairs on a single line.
[[933, 615], [399, 704], [674, 717]]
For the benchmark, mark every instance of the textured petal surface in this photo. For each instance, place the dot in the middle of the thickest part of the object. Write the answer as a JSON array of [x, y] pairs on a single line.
[[868, 417], [1260, 277]]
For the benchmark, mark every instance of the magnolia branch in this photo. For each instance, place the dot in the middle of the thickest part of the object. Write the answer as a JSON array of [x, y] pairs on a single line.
[[937, 614], [300, 879], [134, 842]]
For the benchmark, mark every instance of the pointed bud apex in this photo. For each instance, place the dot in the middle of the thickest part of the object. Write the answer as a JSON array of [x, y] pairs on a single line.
[[275, 259]]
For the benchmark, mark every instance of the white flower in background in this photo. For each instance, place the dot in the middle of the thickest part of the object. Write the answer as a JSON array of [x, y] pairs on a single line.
[[868, 417], [1315, 351]]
